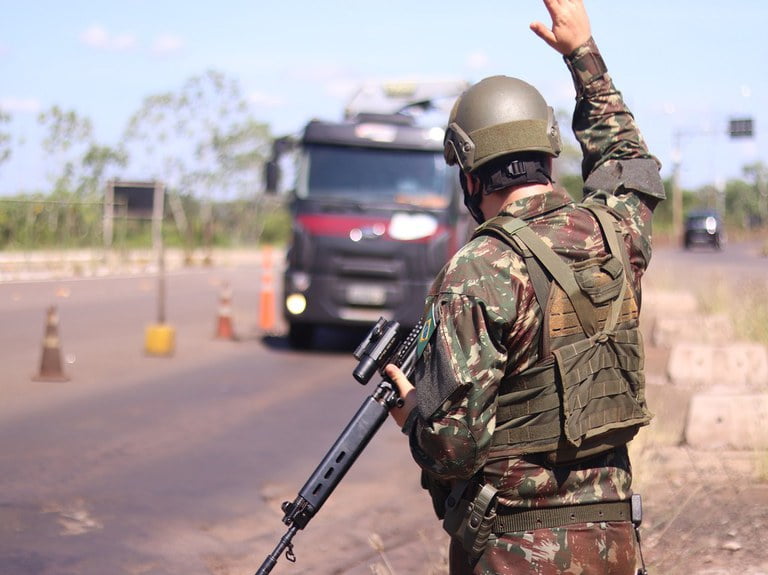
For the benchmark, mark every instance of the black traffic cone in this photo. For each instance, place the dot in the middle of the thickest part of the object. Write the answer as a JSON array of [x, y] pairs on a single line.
[[50, 364]]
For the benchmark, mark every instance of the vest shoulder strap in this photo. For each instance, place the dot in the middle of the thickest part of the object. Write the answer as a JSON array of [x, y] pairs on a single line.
[[507, 227], [615, 246]]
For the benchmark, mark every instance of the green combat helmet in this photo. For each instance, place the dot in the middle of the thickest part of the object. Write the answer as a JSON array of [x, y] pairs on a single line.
[[496, 117]]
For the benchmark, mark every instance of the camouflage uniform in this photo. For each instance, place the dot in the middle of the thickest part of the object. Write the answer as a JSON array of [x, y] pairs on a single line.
[[489, 330]]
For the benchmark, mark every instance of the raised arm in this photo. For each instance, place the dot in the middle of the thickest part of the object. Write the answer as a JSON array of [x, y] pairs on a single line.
[[570, 25]]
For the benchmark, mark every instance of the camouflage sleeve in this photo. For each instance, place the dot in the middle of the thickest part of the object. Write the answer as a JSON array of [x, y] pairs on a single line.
[[610, 140], [458, 376], [452, 441], [617, 168]]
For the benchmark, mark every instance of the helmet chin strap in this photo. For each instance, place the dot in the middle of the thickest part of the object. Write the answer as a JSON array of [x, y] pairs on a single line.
[[514, 173]]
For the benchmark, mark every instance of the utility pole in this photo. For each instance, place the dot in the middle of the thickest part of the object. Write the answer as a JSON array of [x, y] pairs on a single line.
[[677, 193], [744, 128]]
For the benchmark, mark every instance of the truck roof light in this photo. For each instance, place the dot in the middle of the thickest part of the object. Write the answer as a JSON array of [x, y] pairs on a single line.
[[376, 132]]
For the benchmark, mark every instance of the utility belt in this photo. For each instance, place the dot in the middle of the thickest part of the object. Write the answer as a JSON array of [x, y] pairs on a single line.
[[513, 519], [472, 514]]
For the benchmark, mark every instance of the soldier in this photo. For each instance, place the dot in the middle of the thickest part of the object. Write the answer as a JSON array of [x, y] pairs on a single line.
[[530, 382]]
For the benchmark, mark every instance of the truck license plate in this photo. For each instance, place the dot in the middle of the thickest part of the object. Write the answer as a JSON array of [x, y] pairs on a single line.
[[360, 294]]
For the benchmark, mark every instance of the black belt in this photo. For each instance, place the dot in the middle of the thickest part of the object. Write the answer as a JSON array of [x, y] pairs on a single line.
[[515, 519]]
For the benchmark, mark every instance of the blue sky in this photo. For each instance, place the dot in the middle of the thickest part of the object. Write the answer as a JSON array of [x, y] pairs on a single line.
[[683, 66]]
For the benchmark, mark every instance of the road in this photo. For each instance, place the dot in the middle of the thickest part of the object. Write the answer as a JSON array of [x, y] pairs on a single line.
[[160, 465], [738, 262]]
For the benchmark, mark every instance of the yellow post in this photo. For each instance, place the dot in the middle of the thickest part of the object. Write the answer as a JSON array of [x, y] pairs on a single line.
[[160, 339]]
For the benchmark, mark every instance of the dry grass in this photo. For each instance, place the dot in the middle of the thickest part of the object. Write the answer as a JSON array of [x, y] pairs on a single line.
[[744, 302]]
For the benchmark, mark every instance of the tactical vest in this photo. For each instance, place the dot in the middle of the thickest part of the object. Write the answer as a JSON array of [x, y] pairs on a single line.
[[586, 394]]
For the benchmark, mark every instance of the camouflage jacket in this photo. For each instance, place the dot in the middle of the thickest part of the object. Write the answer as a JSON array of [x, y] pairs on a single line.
[[489, 321]]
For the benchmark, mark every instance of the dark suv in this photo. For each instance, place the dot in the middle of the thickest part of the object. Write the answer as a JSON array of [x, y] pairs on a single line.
[[703, 227]]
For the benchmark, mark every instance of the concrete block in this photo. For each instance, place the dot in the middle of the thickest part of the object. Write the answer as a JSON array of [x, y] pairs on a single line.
[[717, 421], [743, 365], [665, 303], [697, 328]]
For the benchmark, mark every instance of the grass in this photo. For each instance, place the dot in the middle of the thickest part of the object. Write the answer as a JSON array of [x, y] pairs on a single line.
[[761, 466], [437, 563], [745, 303]]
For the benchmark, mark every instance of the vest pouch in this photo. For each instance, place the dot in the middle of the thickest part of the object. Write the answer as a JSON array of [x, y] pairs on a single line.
[[602, 386], [600, 278], [470, 512]]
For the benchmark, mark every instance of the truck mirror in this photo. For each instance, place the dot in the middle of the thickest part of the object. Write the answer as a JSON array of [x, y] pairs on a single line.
[[271, 176]]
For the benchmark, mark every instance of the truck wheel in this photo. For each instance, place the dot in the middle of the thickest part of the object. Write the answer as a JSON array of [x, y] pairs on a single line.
[[300, 336]]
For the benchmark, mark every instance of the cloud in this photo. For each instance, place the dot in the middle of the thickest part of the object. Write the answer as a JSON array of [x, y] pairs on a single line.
[[98, 37], [95, 37], [265, 100], [167, 44], [23, 105]]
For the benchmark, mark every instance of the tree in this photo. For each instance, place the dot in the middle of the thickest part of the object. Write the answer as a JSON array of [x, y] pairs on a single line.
[[567, 167], [96, 163], [68, 136], [201, 141], [758, 173], [5, 138], [80, 164]]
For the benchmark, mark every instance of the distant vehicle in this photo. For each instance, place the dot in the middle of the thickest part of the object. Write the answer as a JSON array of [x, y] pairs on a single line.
[[703, 227], [376, 211]]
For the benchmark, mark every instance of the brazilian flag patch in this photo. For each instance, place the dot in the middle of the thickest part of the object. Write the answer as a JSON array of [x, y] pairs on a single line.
[[430, 325]]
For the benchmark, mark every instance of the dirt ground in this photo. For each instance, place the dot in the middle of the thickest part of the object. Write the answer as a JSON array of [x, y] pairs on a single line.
[[706, 512]]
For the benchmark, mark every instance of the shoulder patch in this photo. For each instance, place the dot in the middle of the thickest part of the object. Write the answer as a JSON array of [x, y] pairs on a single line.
[[430, 325]]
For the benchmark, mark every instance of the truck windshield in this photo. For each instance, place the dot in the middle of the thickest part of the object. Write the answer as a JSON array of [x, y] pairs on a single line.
[[375, 175]]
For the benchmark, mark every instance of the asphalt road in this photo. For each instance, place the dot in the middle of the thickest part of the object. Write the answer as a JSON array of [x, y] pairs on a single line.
[[142, 464], [160, 465], [737, 262]]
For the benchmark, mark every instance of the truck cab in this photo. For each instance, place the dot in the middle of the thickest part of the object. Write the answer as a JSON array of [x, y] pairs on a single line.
[[376, 213]]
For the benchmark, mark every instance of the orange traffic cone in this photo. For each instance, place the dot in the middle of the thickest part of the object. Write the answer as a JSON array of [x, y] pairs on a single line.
[[267, 295], [224, 329], [50, 364]]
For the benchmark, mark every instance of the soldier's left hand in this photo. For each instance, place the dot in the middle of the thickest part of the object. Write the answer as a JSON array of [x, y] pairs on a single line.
[[406, 391]]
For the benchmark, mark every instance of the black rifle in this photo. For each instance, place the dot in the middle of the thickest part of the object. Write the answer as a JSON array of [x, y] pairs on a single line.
[[385, 343]]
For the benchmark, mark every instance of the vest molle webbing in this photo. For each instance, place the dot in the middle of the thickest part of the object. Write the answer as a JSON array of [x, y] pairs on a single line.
[[587, 392]]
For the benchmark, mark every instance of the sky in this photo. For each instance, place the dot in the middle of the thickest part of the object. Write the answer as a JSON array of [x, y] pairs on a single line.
[[685, 67]]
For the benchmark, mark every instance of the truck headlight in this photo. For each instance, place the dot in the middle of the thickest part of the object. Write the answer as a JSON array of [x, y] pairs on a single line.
[[407, 227], [296, 303]]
